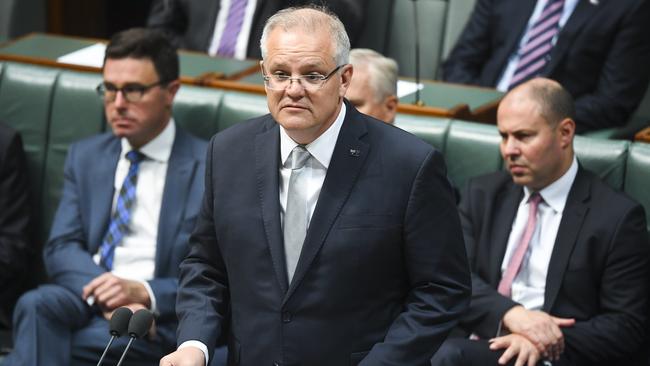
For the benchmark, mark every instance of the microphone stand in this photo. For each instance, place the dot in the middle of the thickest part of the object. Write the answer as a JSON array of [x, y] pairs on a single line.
[[418, 102]]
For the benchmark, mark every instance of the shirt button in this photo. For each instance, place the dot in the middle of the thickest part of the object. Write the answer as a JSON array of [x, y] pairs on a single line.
[[286, 317]]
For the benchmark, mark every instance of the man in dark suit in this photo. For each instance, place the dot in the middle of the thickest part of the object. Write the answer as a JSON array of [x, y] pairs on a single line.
[[559, 259], [600, 54], [193, 23], [15, 243], [317, 245], [130, 199]]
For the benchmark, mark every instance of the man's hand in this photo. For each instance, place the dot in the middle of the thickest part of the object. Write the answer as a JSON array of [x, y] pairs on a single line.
[[516, 346], [541, 329], [188, 356], [111, 292]]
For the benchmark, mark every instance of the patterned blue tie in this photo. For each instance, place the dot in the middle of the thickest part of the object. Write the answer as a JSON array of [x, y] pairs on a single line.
[[119, 225]]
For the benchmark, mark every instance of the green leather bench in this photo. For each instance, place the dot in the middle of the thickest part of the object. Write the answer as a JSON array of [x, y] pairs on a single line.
[[53, 108]]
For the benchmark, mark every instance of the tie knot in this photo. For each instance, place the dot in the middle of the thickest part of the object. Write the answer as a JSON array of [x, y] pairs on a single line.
[[134, 156], [535, 199], [298, 158]]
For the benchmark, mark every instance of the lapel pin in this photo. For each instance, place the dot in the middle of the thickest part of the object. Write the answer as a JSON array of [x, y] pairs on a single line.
[[594, 2], [355, 152]]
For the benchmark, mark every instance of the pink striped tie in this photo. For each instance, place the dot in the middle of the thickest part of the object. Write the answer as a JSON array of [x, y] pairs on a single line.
[[535, 54], [505, 286]]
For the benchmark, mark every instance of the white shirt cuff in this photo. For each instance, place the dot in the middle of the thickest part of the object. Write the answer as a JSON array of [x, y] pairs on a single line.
[[152, 298], [199, 345]]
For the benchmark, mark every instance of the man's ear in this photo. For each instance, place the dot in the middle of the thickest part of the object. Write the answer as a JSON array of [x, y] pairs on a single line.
[[346, 78], [567, 130], [390, 106]]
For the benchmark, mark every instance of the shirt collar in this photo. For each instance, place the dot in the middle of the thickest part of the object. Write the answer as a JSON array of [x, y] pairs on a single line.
[[556, 193], [158, 149], [322, 148]]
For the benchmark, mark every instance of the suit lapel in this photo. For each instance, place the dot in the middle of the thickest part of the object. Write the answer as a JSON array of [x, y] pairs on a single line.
[[570, 225], [267, 163], [502, 225], [180, 169], [520, 12], [342, 173], [103, 179], [584, 11]]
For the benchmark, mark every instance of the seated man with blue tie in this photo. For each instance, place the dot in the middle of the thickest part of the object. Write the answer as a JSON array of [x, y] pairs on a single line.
[[559, 259], [130, 200], [597, 49]]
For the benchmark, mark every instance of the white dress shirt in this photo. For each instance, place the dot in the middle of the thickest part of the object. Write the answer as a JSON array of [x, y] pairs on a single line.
[[513, 60], [530, 283], [321, 150], [135, 255], [244, 33]]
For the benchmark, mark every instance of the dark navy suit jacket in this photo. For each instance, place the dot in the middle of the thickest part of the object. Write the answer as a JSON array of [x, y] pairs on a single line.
[[83, 216], [382, 276]]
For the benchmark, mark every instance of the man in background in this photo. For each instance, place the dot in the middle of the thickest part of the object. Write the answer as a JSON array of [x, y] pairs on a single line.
[[598, 50], [130, 199], [373, 89], [233, 28], [559, 259]]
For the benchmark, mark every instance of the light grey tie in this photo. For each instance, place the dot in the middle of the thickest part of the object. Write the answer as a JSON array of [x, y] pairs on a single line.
[[296, 216]]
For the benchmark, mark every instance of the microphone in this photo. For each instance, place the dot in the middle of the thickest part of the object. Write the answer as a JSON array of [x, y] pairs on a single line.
[[117, 327], [138, 327], [418, 101]]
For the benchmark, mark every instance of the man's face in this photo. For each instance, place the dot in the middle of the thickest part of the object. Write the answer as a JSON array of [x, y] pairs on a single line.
[[361, 95], [142, 120], [304, 114], [532, 149]]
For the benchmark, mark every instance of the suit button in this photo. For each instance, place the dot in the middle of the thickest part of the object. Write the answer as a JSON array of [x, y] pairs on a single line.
[[286, 317], [276, 364]]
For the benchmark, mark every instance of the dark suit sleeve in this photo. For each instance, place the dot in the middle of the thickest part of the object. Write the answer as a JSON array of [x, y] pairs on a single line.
[[624, 76], [487, 306], [66, 255], [14, 210], [202, 300], [619, 329], [468, 56], [437, 271], [170, 16], [352, 15]]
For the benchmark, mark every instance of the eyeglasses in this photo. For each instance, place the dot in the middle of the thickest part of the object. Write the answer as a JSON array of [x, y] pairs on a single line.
[[131, 92], [311, 82]]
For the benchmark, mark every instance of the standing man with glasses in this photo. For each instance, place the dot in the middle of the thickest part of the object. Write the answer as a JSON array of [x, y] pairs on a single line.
[[316, 245], [130, 199]]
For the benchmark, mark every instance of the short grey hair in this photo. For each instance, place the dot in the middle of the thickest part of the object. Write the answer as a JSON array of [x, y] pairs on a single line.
[[382, 71], [312, 19], [555, 102]]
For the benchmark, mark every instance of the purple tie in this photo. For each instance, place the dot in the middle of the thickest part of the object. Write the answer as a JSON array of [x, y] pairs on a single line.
[[232, 28], [505, 286], [535, 54]]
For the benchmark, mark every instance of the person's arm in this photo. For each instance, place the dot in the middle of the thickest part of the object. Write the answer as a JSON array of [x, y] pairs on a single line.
[[472, 49], [620, 328], [624, 76], [66, 255], [352, 14], [15, 246], [170, 17], [438, 273]]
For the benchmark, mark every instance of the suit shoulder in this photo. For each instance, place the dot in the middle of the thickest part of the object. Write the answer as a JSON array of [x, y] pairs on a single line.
[[605, 196], [398, 140], [196, 145], [490, 183], [244, 130]]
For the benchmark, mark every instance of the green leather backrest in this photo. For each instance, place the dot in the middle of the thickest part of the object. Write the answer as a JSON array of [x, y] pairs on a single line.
[[472, 149], [401, 42], [237, 107], [77, 113], [458, 12], [1, 69], [25, 104], [606, 158], [637, 175], [430, 129], [196, 109]]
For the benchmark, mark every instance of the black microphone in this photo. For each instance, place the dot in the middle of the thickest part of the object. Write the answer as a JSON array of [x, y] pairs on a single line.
[[118, 325], [138, 327], [418, 101]]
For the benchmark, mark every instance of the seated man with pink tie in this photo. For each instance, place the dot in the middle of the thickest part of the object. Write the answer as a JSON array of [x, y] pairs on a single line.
[[559, 259]]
